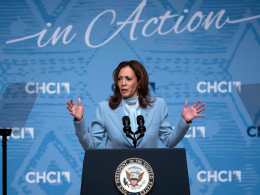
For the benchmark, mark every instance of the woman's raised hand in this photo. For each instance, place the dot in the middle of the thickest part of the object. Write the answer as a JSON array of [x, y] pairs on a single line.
[[188, 114], [76, 111]]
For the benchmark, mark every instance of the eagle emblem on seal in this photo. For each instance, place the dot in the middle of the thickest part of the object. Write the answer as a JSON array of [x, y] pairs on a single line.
[[134, 178]]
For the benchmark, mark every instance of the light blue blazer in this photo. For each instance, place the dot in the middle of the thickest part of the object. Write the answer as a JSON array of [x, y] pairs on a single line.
[[110, 121]]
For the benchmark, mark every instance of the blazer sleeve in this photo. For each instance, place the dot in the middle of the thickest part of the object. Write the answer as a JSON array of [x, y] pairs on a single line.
[[92, 139], [171, 137]]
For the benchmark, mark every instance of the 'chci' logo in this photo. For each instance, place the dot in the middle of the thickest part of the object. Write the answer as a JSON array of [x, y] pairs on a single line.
[[222, 176], [195, 131], [49, 88], [19, 133], [134, 176], [50, 177], [215, 87]]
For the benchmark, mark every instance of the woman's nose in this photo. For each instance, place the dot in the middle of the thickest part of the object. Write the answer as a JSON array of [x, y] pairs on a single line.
[[123, 82]]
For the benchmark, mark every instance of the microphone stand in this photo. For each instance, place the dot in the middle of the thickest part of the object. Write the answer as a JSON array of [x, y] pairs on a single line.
[[4, 133], [128, 132], [134, 141], [134, 138]]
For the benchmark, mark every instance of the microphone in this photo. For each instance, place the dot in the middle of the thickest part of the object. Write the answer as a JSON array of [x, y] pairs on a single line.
[[141, 127], [127, 127]]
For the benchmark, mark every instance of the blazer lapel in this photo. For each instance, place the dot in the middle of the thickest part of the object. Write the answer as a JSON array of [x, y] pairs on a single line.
[[116, 117], [148, 116]]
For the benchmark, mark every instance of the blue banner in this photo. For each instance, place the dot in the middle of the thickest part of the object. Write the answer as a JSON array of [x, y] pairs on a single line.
[[191, 49]]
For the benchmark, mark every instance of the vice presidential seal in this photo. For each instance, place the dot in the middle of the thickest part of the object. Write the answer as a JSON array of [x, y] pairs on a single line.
[[134, 176]]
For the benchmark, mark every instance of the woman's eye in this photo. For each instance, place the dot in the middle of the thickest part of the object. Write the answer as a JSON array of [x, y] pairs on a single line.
[[129, 79], [119, 79]]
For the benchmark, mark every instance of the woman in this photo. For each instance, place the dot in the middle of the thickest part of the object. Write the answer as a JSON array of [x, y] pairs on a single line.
[[132, 98]]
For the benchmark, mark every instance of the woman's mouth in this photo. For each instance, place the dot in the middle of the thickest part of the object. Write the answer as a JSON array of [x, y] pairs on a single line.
[[124, 90]]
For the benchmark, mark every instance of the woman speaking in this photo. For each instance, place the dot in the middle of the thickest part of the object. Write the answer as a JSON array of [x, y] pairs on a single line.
[[132, 98]]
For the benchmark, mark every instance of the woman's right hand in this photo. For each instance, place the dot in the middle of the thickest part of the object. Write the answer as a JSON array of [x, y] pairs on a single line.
[[76, 111]]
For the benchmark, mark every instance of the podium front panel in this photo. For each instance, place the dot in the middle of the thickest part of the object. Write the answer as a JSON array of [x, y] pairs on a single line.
[[169, 167]]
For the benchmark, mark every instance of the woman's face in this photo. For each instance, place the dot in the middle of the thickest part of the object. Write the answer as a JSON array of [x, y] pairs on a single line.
[[127, 82]]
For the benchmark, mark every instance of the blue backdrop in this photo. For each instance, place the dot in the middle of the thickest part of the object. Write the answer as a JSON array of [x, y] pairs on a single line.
[[191, 49]]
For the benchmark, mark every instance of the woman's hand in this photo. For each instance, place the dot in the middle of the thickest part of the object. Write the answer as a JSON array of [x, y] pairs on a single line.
[[76, 111], [188, 114]]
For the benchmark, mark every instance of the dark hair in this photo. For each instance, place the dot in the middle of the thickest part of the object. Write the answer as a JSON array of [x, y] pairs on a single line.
[[143, 80]]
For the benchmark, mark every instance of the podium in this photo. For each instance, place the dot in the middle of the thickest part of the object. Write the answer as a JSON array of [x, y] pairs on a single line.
[[169, 168]]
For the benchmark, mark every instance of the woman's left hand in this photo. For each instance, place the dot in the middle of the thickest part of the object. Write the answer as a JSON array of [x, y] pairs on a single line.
[[188, 114]]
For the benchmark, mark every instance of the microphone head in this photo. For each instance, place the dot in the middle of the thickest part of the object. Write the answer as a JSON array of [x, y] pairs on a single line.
[[126, 119], [140, 118]]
